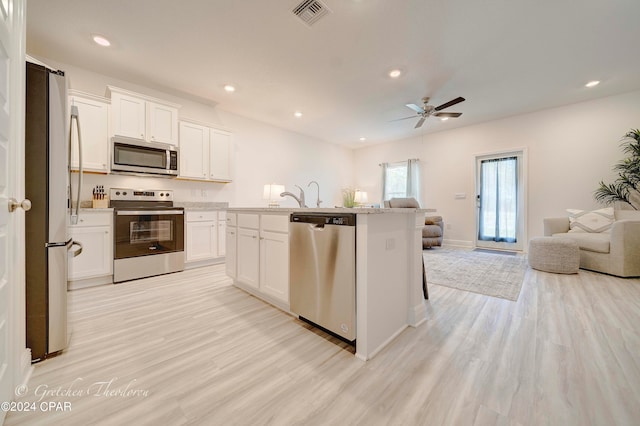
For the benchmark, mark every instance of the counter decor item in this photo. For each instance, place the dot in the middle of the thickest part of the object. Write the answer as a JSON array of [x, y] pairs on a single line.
[[99, 200], [348, 197], [272, 193]]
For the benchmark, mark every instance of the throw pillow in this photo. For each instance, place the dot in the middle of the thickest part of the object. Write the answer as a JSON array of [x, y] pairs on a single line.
[[591, 221]]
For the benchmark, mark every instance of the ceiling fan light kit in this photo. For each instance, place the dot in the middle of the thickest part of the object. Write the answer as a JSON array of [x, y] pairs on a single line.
[[426, 110]]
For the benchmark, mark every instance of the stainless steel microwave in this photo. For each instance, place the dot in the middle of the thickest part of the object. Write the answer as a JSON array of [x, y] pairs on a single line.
[[136, 156]]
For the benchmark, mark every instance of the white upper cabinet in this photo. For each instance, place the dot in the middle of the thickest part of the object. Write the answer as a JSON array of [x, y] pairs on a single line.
[[220, 155], [142, 117], [162, 123], [205, 152], [128, 116], [194, 151], [93, 114]]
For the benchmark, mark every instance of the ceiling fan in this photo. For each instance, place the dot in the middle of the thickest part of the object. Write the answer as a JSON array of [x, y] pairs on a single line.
[[427, 110]]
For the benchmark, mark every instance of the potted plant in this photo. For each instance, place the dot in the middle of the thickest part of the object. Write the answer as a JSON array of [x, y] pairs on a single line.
[[627, 186], [348, 197]]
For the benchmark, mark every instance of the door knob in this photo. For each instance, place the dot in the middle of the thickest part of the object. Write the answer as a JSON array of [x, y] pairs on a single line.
[[14, 204]]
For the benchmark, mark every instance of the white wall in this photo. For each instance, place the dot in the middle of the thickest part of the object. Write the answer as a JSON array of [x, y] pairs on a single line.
[[570, 149], [263, 154]]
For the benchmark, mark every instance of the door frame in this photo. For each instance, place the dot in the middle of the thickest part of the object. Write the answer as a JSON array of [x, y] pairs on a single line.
[[19, 356], [521, 233]]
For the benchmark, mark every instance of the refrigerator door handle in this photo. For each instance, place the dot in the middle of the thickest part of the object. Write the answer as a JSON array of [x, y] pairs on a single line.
[[76, 116], [76, 252]]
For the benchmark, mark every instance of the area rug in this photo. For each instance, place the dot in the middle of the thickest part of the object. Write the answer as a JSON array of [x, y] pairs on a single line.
[[491, 274]]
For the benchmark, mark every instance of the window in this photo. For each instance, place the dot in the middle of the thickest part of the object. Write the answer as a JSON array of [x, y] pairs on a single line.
[[400, 180]]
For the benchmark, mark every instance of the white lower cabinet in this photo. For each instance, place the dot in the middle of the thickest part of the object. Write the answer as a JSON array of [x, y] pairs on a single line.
[[94, 232], [202, 242], [274, 264], [262, 255], [248, 262], [231, 250]]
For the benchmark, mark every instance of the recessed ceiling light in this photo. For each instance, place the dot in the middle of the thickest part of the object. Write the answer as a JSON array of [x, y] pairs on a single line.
[[229, 88], [362, 139], [444, 118], [101, 40], [298, 114], [395, 73], [592, 83]]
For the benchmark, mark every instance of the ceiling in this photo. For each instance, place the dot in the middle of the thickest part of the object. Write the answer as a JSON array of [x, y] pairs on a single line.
[[506, 57]]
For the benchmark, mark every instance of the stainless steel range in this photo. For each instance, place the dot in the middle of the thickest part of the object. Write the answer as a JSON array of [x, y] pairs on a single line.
[[149, 233]]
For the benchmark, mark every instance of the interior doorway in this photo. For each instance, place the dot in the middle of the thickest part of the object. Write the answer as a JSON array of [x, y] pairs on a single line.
[[500, 198]]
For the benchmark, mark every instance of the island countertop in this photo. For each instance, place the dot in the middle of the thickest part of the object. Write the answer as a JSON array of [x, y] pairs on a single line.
[[356, 210]]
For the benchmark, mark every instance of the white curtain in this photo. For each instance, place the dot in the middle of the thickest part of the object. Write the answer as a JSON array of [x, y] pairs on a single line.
[[413, 179], [498, 199]]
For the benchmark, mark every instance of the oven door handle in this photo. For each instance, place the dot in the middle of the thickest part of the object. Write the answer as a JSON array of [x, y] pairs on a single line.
[[148, 212]]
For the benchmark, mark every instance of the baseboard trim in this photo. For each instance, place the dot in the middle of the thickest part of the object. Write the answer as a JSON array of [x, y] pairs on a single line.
[[381, 346], [418, 315], [458, 243], [26, 368]]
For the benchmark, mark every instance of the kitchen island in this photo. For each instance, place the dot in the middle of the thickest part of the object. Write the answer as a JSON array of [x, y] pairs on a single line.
[[388, 265]]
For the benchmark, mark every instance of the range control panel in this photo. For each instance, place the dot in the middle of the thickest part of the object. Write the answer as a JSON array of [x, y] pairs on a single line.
[[125, 194]]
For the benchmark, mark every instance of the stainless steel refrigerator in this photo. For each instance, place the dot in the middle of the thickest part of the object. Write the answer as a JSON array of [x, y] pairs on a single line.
[[47, 185]]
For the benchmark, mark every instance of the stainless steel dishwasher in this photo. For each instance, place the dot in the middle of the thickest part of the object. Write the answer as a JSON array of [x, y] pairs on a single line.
[[322, 271]]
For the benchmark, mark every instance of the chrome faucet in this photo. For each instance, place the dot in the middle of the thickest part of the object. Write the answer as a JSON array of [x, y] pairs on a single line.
[[318, 200], [300, 199]]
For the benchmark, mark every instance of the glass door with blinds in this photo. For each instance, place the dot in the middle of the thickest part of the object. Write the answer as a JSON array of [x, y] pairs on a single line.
[[500, 201]]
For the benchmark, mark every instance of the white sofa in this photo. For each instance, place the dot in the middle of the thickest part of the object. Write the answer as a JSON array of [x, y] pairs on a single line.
[[616, 253]]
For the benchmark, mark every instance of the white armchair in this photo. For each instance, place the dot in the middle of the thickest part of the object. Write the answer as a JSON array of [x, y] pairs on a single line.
[[616, 253]]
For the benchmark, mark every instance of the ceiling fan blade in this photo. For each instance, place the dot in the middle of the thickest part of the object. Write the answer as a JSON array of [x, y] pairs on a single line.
[[450, 103], [419, 123], [416, 108], [448, 114], [399, 119]]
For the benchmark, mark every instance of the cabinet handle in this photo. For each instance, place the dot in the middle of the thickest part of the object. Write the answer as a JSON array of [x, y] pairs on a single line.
[[254, 237], [142, 135]]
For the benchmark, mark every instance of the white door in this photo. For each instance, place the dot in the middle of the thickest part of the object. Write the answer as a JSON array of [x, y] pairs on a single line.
[[12, 315], [500, 199]]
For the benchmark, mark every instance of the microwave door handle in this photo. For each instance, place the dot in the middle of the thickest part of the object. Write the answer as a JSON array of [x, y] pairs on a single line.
[[168, 163], [76, 116]]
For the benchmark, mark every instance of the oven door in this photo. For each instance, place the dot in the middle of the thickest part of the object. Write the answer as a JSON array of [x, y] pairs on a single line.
[[148, 232]]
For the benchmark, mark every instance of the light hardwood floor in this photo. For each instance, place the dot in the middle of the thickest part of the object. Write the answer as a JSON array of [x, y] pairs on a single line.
[[189, 348]]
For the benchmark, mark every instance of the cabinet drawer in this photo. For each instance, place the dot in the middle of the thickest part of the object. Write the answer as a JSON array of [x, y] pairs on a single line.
[[231, 219], [275, 222], [201, 216], [248, 221], [104, 218]]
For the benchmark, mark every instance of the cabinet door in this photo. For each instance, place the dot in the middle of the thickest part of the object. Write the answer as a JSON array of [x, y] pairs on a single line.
[[231, 251], [194, 151], [222, 233], [162, 123], [93, 117], [230, 260], [220, 155], [128, 115], [201, 241], [248, 257], [96, 259], [274, 264]]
